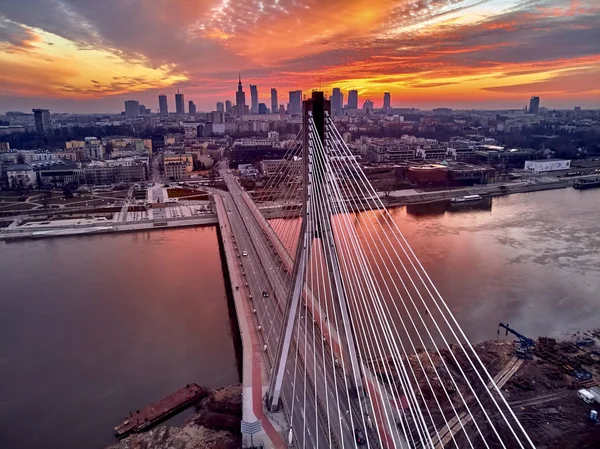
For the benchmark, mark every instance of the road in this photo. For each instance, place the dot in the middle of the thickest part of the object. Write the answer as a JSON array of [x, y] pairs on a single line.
[[264, 272]]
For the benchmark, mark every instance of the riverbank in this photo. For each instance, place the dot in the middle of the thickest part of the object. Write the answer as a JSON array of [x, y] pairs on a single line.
[[215, 424], [411, 196], [77, 227]]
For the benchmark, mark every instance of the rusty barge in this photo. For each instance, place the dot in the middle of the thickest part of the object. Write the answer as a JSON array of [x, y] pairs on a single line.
[[153, 414]]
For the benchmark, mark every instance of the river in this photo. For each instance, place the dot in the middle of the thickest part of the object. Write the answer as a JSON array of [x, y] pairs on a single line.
[[91, 327]]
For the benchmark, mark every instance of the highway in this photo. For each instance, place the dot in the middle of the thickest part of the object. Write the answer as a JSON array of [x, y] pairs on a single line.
[[264, 272]]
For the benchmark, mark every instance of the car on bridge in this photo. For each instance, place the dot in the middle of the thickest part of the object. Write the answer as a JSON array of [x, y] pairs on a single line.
[[360, 437], [265, 294], [244, 253]]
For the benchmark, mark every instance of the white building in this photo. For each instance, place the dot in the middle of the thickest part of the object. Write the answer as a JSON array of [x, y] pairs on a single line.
[[21, 176], [94, 148]]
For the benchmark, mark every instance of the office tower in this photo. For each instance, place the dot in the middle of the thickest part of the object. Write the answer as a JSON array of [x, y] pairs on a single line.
[[179, 104], [254, 99], [191, 108], [295, 104], [220, 106], [534, 105], [262, 108], [163, 107], [353, 99], [337, 100], [387, 101], [42, 120], [281, 109], [274, 106], [240, 99], [228, 107], [132, 108], [368, 105]]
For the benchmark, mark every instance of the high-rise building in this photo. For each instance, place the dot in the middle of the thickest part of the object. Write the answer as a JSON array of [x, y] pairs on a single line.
[[132, 108], [163, 106], [240, 98], [179, 103], [254, 99], [228, 107], [337, 100], [387, 101], [220, 106], [191, 108], [42, 120], [262, 108], [281, 109], [368, 105], [274, 106], [353, 99], [295, 104], [534, 105]]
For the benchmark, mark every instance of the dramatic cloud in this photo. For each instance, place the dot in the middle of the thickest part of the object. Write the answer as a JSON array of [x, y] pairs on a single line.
[[451, 53]]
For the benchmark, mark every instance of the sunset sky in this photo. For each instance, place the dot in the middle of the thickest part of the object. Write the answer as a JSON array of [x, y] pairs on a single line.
[[91, 55]]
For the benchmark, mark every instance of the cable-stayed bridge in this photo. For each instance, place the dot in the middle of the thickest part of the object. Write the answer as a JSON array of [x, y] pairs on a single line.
[[358, 347]]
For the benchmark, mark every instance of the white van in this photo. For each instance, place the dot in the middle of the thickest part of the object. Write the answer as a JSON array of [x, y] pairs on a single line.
[[586, 396]]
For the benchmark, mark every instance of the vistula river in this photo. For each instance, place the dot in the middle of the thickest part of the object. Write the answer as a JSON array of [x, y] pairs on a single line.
[[92, 327]]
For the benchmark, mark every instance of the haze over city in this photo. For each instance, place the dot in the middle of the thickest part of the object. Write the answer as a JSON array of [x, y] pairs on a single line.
[[89, 56]]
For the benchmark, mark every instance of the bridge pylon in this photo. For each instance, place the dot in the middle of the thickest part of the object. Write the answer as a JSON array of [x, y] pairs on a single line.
[[316, 184]]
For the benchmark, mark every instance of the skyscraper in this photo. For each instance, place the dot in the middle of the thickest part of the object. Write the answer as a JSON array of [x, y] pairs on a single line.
[[179, 103], [337, 100], [368, 105], [353, 99], [295, 104], [534, 105], [220, 106], [254, 99], [42, 120], [274, 106], [240, 98], [163, 107], [191, 108], [228, 107], [132, 108], [262, 108], [387, 101]]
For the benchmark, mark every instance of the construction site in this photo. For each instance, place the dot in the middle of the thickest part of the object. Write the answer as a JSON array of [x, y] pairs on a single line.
[[541, 379]]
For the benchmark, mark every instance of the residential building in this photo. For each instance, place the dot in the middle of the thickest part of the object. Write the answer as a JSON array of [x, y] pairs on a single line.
[[185, 158], [190, 129], [132, 108], [295, 102], [216, 117], [163, 106], [273, 135], [368, 105], [220, 107], [274, 103], [41, 117], [337, 100], [179, 103], [534, 105], [254, 99], [274, 166], [353, 99], [191, 108], [94, 149], [175, 170], [387, 101]]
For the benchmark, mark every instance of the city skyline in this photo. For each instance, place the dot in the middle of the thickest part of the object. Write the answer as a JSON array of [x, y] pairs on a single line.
[[467, 54]]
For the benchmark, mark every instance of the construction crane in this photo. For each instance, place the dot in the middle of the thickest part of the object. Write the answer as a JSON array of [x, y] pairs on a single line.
[[525, 343]]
